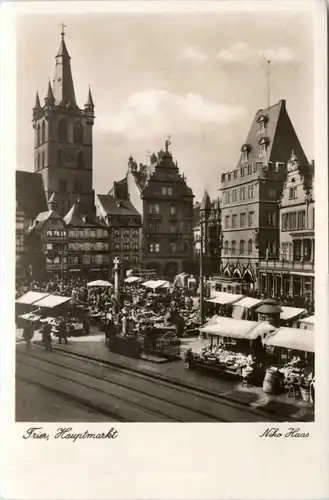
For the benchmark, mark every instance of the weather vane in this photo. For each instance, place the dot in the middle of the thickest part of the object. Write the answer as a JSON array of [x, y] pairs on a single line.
[[63, 27]]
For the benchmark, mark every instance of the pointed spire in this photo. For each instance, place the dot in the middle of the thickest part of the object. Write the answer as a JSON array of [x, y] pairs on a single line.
[[50, 96], [90, 101], [63, 82], [37, 101]]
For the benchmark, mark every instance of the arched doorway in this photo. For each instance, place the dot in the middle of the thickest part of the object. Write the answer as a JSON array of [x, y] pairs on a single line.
[[236, 274], [170, 270], [248, 278], [227, 273]]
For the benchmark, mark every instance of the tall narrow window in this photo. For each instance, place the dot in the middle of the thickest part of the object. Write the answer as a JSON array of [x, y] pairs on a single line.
[[250, 247], [233, 247], [38, 135], [43, 159], [242, 247], [62, 130], [38, 161], [78, 133], [43, 132], [59, 157]]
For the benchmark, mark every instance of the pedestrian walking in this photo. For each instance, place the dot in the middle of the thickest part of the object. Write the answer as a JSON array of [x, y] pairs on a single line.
[[28, 333], [46, 336], [62, 332]]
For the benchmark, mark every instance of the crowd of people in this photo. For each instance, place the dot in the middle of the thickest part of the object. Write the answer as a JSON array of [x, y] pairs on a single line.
[[135, 309]]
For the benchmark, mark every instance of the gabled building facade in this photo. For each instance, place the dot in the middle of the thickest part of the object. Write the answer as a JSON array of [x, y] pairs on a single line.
[[160, 193], [250, 195], [124, 224], [291, 274]]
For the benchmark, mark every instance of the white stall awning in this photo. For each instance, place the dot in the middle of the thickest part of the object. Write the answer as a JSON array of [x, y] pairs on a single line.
[[229, 327], [31, 297], [261, 329], [224, 298], [291, 312], [310, 320], [52, 301], [99, 283], [149, 284], [292, 338], [248, 302], [132, 279]]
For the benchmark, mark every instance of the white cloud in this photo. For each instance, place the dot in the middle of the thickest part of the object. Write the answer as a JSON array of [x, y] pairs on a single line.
[[157, 112], [192, 53], [242, 53]]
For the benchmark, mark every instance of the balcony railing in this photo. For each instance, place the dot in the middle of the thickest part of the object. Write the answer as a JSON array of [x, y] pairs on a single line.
[[287, 265]]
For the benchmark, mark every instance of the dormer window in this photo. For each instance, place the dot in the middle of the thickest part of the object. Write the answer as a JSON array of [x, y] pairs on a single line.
[[245, 153], [263, 143], [262, 120]]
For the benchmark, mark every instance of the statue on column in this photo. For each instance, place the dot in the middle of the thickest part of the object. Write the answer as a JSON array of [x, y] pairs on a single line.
[[116, 262]]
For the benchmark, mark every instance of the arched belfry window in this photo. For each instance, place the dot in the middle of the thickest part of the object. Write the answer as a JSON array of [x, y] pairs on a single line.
[[43, 132], [38, 135], [78, 133], [62, 130], [43, 159]]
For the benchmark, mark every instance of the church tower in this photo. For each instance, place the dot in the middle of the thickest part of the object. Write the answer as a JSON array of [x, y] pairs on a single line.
[[63, 140]]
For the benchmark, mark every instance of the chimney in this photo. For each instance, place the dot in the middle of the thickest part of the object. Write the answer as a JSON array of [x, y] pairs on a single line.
[[115, 189]]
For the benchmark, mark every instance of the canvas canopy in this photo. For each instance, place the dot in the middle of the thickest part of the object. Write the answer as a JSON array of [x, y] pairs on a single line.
[[229, 327], [52, 301], [149, 284], [99, 283], [292, 338], [248, 302], [224, 298], [310, 320], [307, 323], [155, 284], [31, 297], [289, 313], [132, 279]]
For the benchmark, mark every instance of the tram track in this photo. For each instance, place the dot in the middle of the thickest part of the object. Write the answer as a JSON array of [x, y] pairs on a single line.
[[129, 399], [151, 394]]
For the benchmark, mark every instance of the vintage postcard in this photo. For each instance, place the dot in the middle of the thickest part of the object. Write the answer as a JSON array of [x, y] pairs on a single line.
[[164, 250]]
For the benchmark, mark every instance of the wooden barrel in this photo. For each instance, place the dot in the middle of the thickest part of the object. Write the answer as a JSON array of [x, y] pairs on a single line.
[[271, 382], [306, 393]]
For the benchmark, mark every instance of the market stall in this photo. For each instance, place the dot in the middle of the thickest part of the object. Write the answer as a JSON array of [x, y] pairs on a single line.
[[25, 304], [307, 323], [245, 308], [290, 315], [235, 347], [295, 361], [222, 302]]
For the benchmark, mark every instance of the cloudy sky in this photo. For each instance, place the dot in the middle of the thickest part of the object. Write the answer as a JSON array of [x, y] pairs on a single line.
[[199, 78]]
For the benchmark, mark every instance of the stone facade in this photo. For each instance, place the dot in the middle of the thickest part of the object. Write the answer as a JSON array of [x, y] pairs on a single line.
[[63, 142], [292, 272]]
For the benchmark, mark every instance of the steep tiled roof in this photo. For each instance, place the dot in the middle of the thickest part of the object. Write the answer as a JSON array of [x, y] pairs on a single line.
[[115, 206], [279, 135], [78, 216], [30, 193], [41, 219]]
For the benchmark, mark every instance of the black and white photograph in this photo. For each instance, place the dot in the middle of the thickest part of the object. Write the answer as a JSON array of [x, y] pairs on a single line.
[[165, 218], [164, 171]]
